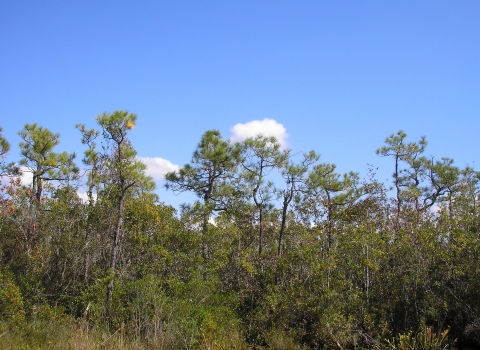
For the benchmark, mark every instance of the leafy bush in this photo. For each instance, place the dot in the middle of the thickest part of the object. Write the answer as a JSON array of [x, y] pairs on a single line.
[[11, 301]]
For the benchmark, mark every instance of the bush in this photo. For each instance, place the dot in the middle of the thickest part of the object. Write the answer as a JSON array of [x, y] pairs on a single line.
[[424, 340], [11, 301]]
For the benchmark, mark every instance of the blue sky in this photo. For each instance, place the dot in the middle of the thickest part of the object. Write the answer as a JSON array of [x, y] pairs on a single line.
[[340, 76]]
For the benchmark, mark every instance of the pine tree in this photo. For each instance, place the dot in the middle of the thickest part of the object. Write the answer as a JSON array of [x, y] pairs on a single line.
[[39, 158], [118, 172]]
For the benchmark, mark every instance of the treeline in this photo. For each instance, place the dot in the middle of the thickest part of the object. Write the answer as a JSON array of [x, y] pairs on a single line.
[[279, 252]]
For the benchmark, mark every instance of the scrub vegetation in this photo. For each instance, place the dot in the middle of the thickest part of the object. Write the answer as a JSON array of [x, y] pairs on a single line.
[[279, 252]]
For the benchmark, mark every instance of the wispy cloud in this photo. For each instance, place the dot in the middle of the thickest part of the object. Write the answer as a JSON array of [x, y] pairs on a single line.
[[266, 127], [26, 177], [157, 167]]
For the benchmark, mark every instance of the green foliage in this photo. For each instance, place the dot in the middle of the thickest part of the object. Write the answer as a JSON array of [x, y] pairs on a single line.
[[323, 260], [6, 169], [120, 167], [4, 145], [11, 301], [212, 164], [40, 159], [427, 339]]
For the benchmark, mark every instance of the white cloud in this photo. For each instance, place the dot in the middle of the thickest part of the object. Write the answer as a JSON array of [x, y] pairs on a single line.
[[27, 176], [4, 180], [84, 196], [212, 221], [158, 167], [266, 127]]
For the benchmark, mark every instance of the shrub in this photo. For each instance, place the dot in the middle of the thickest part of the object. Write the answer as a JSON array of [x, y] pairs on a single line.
[[11, 301]]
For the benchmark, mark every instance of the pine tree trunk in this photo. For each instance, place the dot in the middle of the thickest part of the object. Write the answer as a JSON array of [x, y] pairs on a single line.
[[116, 238]]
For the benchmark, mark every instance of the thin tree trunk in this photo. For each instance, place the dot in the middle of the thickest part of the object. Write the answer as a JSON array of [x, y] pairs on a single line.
[[286, 202], [399, 201], [260, 242], [116, 238]]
